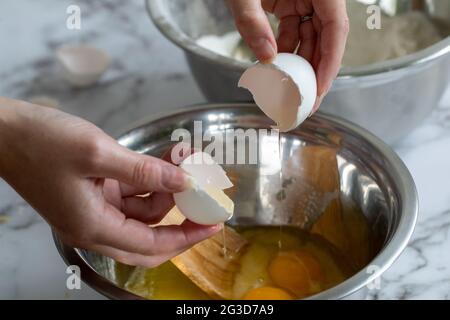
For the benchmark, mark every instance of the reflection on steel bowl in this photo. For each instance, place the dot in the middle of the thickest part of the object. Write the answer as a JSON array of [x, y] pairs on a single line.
[[375, 191], [389, 98]]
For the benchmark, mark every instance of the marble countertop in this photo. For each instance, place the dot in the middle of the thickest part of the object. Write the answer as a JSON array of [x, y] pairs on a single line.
[[146, 72]]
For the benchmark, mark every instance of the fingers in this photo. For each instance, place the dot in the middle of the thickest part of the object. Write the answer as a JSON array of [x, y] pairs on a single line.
[[288, 34], [141, 171], [133, 259], [322, 39], [174, 155], [316, 54], [178, 152], [128, 190], [133, 236], [269, 5], [333, 36], [126, 257], [176, 237], [150, 209], [308, 38], [254, 27]]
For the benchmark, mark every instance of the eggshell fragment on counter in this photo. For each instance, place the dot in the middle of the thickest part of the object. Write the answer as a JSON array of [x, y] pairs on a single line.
[[285, 90], [82, 65], [205, 203]]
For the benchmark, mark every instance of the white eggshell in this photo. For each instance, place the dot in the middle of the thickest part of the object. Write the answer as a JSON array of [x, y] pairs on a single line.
[[205, 203], [82, 65], [285, 90], [205, 206], [206, 171]]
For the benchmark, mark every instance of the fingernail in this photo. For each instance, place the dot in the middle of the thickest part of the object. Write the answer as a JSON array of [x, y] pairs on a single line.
[[263, 49], [190, 183], [319, 100], [176, 179], [217, 227]]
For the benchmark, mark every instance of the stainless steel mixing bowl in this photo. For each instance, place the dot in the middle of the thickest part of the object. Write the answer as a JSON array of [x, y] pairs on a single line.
[[372, 178], [388, 98]]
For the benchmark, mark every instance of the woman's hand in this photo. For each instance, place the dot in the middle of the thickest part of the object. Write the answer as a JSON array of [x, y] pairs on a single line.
[[86, 185], [322, 39]]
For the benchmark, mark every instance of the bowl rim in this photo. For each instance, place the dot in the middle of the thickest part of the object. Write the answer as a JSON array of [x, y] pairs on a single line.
[[185, 42], [390, 252]]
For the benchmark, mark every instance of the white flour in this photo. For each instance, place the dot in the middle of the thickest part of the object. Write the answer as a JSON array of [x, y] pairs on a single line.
[[398, 36]]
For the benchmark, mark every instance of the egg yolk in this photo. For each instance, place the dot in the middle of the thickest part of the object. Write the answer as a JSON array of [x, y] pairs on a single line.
[[267, 293], [298, 271]]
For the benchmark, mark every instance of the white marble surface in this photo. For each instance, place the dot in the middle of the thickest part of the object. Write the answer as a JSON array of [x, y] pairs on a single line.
[[148, 76]]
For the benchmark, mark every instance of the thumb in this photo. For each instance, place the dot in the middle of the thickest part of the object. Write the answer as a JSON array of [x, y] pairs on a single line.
[[142, 171], [254, 27]]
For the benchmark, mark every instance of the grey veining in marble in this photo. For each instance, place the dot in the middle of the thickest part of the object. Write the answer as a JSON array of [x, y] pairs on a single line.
[[149, 76]]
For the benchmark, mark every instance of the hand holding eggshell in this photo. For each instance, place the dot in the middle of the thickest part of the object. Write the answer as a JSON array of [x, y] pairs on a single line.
[[285, 89], [314, 29], [205, 203]]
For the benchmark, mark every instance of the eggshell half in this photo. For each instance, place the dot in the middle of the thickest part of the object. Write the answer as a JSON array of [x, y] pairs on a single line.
[[285, 90], [206, 171], [205, 203], [82, 65], [205, 206]]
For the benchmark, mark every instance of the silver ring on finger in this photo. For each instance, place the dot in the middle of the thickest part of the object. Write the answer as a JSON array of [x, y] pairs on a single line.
[[306, 18]]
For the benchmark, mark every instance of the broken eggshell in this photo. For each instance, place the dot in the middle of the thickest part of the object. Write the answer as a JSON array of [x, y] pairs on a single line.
[[82, 65], [206, 171], [205, 202], [285, 90]]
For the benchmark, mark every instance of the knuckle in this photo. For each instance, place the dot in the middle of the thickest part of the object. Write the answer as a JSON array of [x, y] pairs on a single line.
[[82, 239], [85, 234], [246, 18], [146, 173], [76, 241], [75, 237], [181, 242], [92, 152]]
